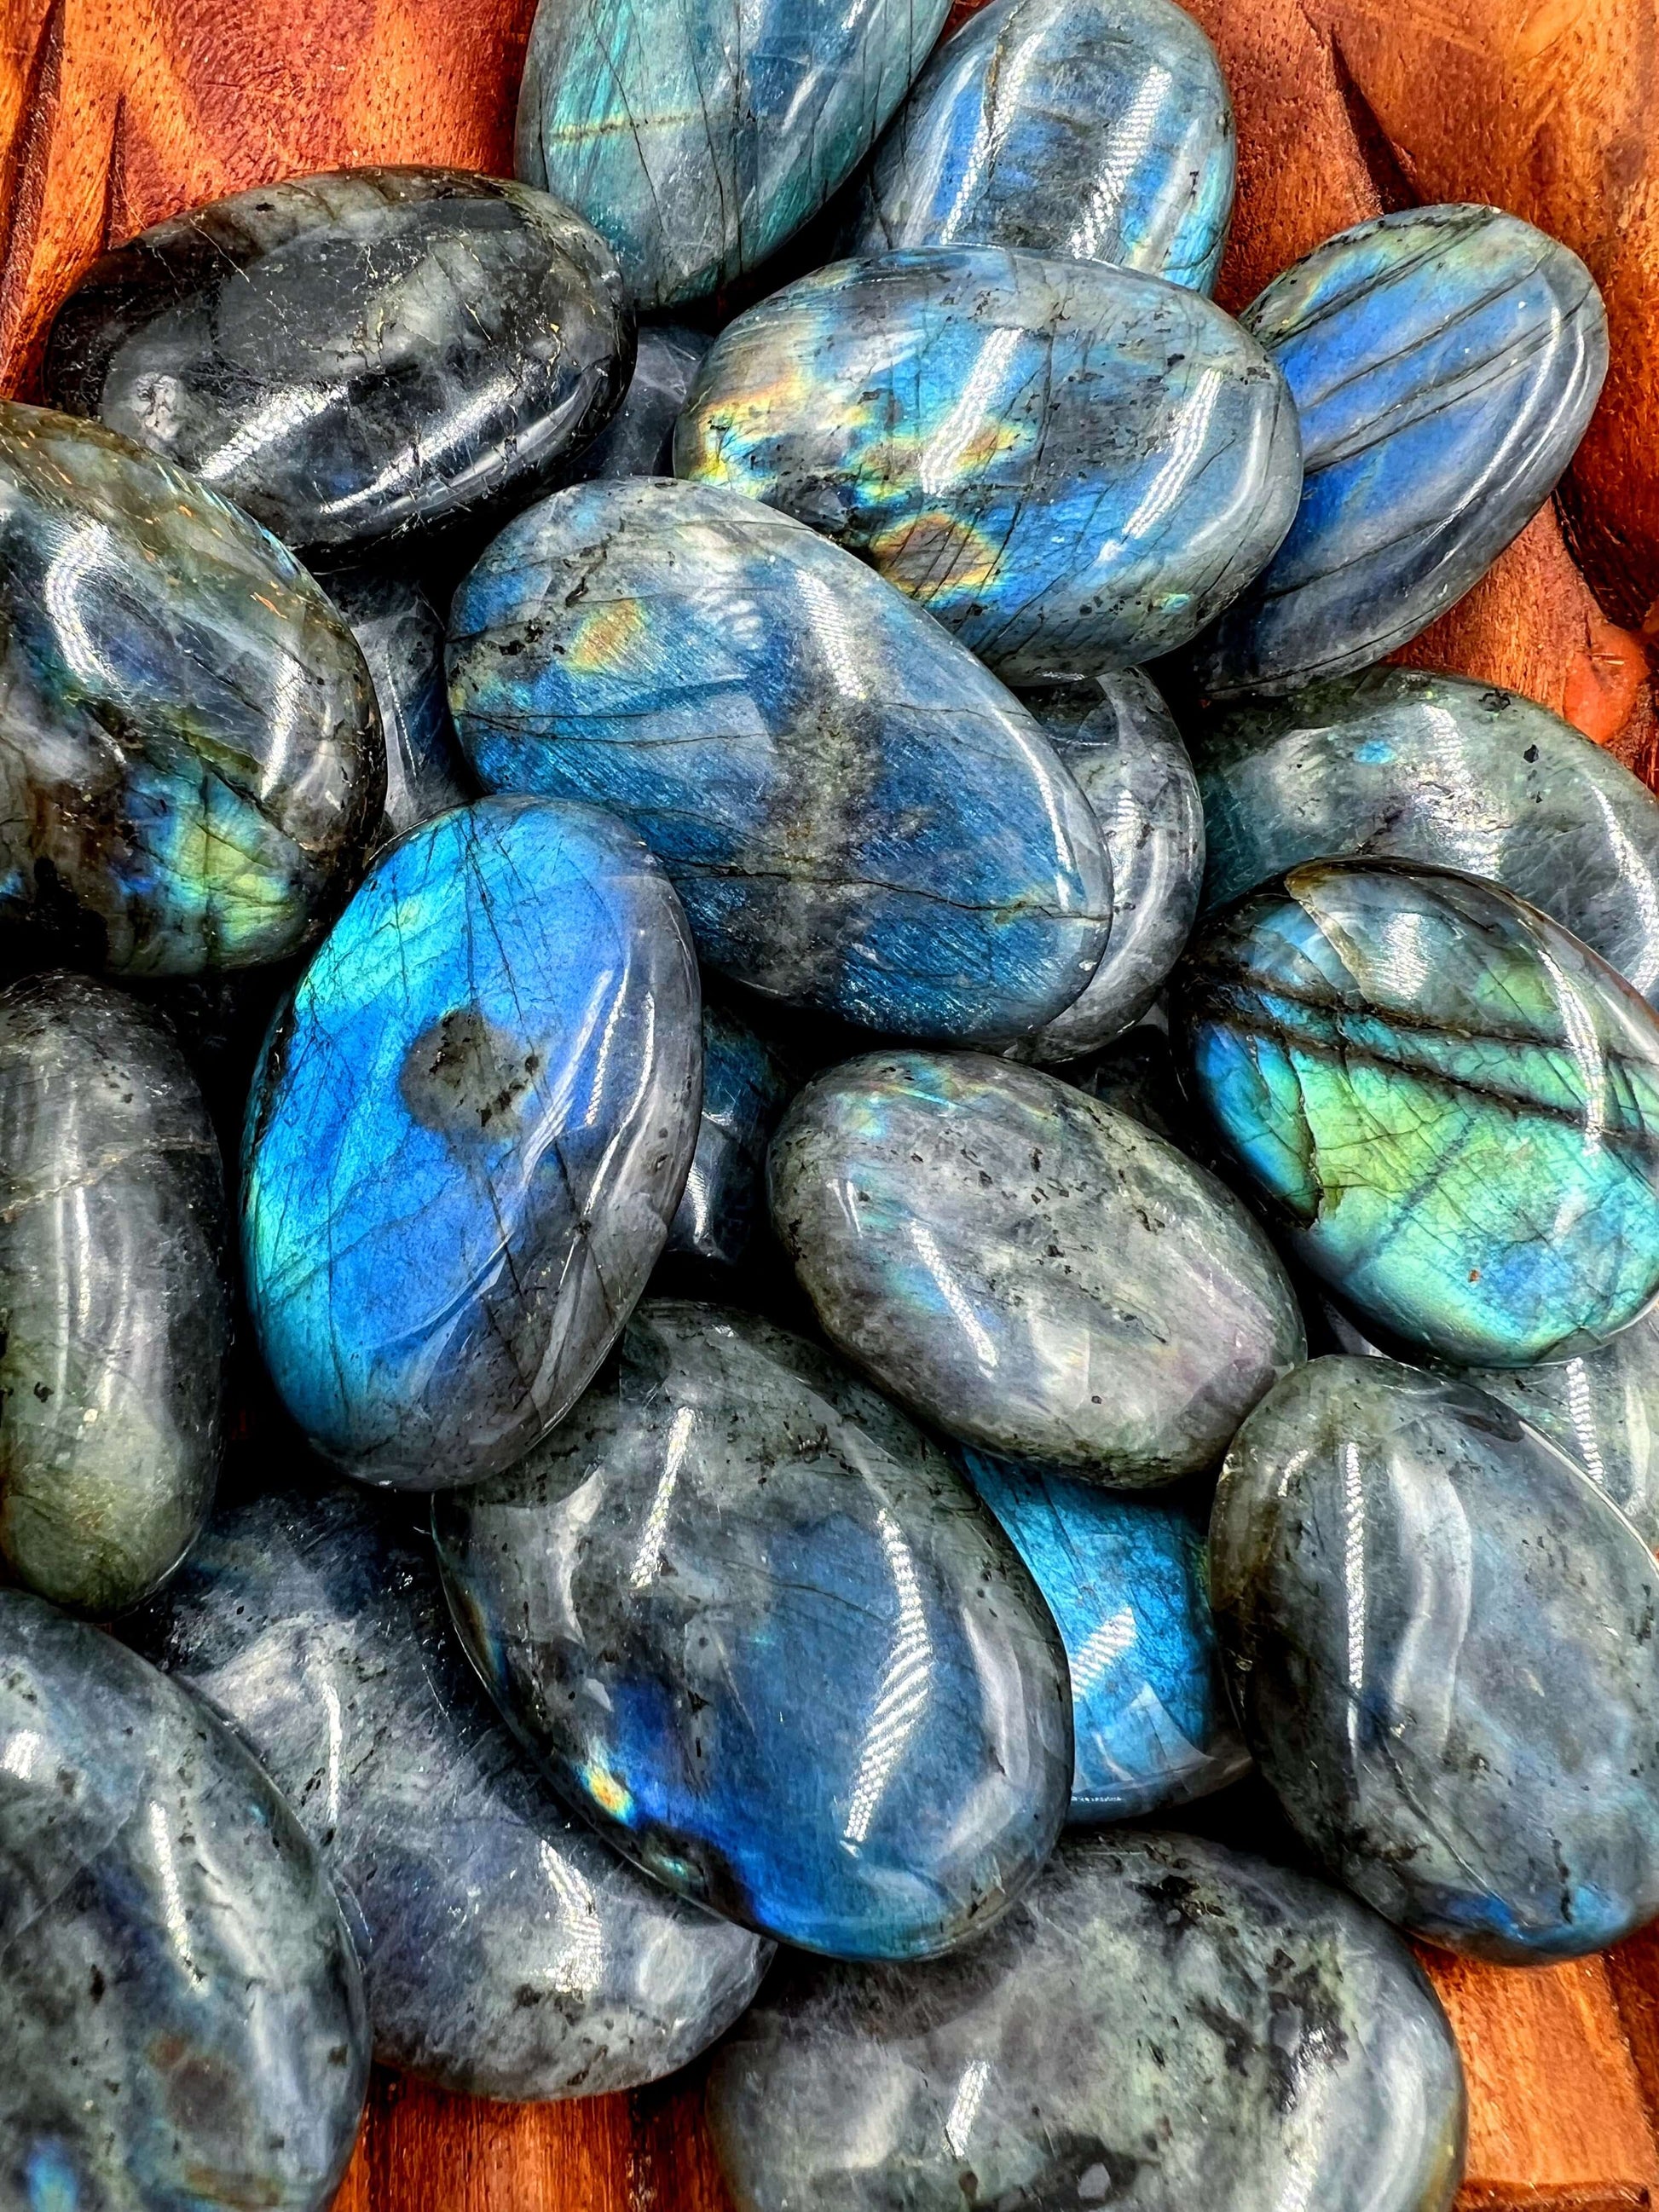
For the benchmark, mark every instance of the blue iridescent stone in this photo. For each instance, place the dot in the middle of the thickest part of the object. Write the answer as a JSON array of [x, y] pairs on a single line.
[[745, 1088], [401, 635], [468, 1138], [858, 817], [1099, 129], [1125, 1579], [1071, 466], [1442, 1643], [698, 136], [768, 1641], [1445, 361]]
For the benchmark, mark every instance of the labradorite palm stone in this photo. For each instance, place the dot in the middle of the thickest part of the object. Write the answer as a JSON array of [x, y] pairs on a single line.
[[1442, 1640], [1125, 1582], [857, 815], [401, 635], [112, 1295], [698, 137], [1071, 466], [1160, 2024], [767, 1640], [353, 355], [508, 1952], [1030, 1270], [745, 1088], [1099, 129], [185, 2023], [190, 762], [1445, 361], [468, 1138]]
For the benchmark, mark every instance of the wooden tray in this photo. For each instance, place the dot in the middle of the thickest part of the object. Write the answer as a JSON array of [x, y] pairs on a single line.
[[114, 114]]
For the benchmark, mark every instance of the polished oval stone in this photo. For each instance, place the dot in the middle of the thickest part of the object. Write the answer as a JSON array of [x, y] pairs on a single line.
[[1125, 757], [1445, 361], [745, 1088], [1032, 1271], [401, 634], [355, 354], [112, 1296], [1449, 1105], [468, 1138], [638, 439], [1125, 1580], [698, 137], [1160, 2024], [1072, 467], [508, 1952], [185, 2023], [1412, 766], [190, 762], [1099, 129], [858, 818], [767, 1640], [1442, 1643]]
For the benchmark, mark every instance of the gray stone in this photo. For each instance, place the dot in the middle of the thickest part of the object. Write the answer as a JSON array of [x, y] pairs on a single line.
[[401, 635], [745, 1088], [638, 439]]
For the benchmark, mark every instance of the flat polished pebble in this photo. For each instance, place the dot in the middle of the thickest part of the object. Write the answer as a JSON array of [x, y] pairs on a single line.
[[698, 137], [1449, 1105], [1408, 765], [184, 2024], [1033, 1272], [1125, 757], [190, 762], [468, 1138], [508, 1952], [1071, 467], [857, 815], [401, 634], [1160, 2024], [745, 1088], [1445, 361], [638, 439], [353, 356], [768, 1641], [1125, 1580], [1442, 1641], [113, 1292], [1096, 130]]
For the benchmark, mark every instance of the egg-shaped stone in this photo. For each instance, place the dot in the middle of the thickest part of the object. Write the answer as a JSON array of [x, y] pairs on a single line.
[[638, 439], [1099, 129], [1442, 1641], [698, 137], [508, 1952], [1161, 2023], [113, 1303], [1450, 1105], [1126, 1581], [468, 1137], [185, 2021], [355, 354], [1032, 1271], [401, 635], [857, 815], [745, 1088], [191, 761], [768, 1641], [1071, 466], [1445, 361]]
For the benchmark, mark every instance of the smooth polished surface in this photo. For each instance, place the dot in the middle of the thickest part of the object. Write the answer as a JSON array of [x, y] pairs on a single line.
[[190, 772], [1072, 467], [1442, 1643], [766, 1638], [508, 1952], [1450, 1106], [401, 635], [638, 439], [113, 1301], [1125, 1580], [1120, 742], [1160, 2024], [698, 137], [1445, 361], [353, 356], [857, 815], [745, 1088], [468, 1138], [1097, 129], [1031, 1270], [1406, 765], [184, 2022]]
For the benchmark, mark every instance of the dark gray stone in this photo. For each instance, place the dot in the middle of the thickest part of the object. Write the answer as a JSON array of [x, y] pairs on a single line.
[[745, 1088], [401, 635], [638, 439]]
